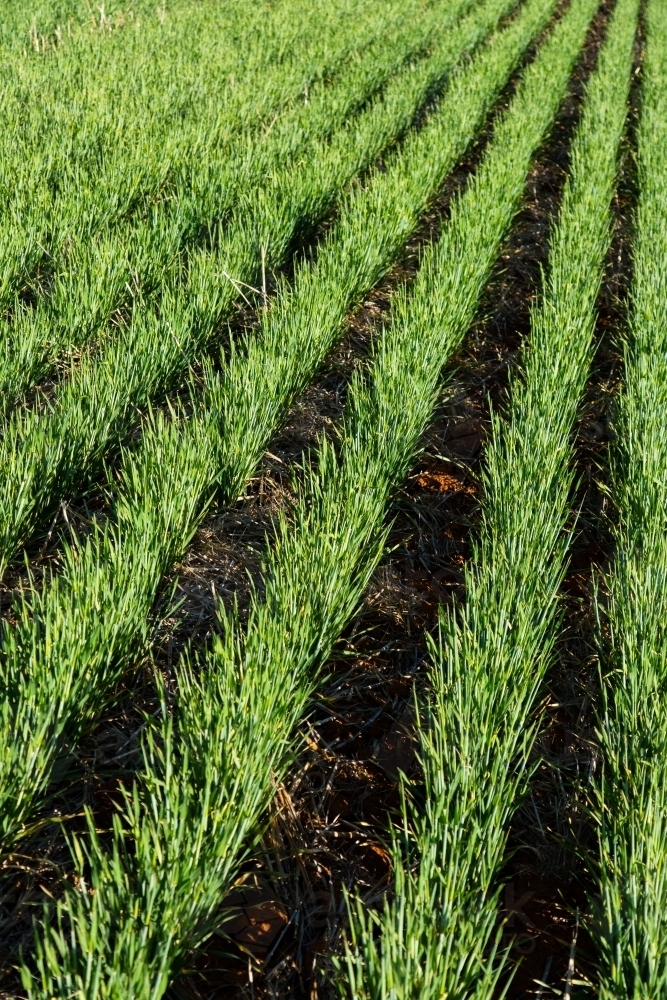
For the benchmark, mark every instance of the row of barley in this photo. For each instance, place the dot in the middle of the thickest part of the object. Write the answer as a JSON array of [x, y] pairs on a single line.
[[631, 802]]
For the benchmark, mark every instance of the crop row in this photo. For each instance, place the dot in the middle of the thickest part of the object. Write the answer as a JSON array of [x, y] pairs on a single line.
[[631, 804]]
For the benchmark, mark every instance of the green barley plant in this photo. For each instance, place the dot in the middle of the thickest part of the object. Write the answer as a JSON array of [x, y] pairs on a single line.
[[630, 806], [439, 935], [211, 768], [45, 457], [75, 638]]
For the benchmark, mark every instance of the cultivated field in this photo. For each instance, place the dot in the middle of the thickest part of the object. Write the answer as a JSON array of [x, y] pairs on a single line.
[[333, 499]]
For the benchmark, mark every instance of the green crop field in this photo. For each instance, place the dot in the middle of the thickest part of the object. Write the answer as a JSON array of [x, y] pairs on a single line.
[[333, 499]]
